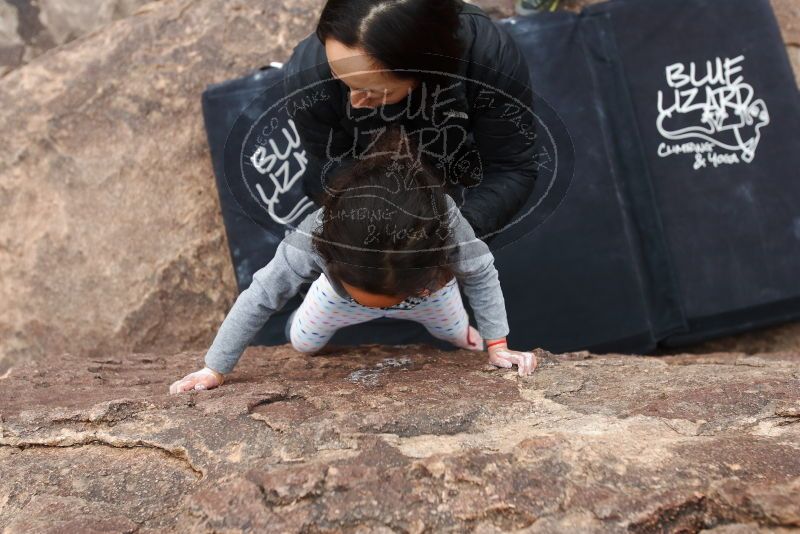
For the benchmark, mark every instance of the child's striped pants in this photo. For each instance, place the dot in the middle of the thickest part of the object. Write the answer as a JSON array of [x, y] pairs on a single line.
[[323, 312]]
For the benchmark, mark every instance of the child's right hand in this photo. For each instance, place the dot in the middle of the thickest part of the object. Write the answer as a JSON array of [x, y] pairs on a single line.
[[205, 378], [501, 356]]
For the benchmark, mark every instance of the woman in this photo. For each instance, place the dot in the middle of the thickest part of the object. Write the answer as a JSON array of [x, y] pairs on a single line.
[[443, 71]]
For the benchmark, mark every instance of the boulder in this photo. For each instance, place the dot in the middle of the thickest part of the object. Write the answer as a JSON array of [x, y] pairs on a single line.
[[794, 57], [12, 47], [29, 28], [788, 14], [111, 235], [781, 338], [406, 439]]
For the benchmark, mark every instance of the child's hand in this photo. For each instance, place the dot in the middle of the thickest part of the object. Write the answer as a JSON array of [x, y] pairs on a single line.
[[501, 356], [199, 380]]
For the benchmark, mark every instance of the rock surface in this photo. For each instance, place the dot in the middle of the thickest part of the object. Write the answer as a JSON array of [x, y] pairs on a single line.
[[111, 236], [403, 440], [29, 28], [781, 338]]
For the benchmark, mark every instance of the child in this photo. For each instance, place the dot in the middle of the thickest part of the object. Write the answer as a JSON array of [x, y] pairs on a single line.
[[388, 242]]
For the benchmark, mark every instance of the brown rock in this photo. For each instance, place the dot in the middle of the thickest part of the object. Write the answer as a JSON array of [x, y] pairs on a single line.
[[794, 57], [405, 439], [47, 514], [782, 338], [12, 47], [29, 28], [788, 14], [111, 234]]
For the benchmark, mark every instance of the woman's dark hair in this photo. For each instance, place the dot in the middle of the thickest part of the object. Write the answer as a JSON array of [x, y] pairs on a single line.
[[415, 35], [385, 222]]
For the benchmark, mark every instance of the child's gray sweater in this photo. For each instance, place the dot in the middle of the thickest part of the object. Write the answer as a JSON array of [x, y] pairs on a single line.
[[296, 262]]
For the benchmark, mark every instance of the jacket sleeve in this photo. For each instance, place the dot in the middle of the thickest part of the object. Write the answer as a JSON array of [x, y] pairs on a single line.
[[272, 286], [504, 129], [313, 99], [473, 266]]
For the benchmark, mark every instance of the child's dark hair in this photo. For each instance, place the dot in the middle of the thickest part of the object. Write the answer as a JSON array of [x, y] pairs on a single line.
[[413, 35], [385, 222]]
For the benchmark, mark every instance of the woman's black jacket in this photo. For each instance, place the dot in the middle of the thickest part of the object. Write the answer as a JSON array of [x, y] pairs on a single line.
[[482, 127]]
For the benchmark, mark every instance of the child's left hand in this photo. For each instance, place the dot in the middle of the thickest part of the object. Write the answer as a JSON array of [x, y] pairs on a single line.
[[199, 380], [501, 356]]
